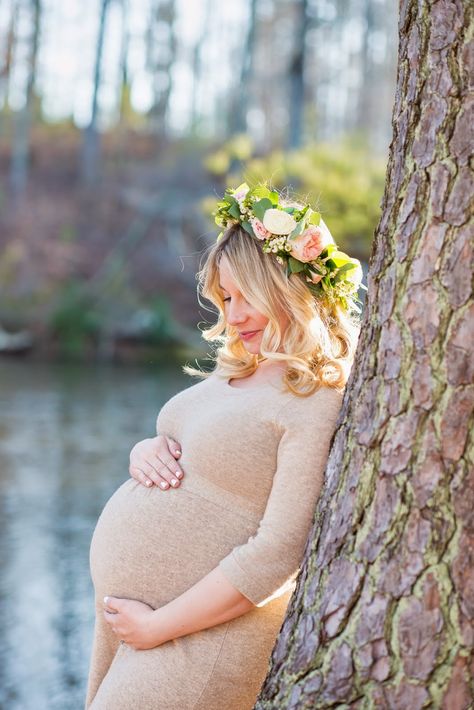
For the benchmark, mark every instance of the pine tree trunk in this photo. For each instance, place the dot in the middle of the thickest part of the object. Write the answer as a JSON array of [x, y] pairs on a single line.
[[382, 616]]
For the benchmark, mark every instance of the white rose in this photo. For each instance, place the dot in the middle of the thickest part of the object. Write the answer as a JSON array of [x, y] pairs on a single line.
[[278, 222]]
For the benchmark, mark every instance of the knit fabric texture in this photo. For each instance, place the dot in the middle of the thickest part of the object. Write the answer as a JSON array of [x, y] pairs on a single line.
[[254, 461]]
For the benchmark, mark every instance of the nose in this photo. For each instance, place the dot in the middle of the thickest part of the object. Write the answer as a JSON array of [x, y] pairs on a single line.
[[236, 314]]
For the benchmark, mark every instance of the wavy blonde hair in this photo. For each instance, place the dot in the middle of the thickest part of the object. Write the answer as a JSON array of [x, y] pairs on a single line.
[[319, 342]]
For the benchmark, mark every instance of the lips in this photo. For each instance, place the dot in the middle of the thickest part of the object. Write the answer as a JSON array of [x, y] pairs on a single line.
[[248, 334]]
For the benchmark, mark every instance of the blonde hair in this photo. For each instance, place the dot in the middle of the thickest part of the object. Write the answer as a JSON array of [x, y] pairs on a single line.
[[319, 342]]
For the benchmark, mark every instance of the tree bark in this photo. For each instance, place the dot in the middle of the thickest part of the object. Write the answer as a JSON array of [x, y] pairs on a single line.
[[382, 615]]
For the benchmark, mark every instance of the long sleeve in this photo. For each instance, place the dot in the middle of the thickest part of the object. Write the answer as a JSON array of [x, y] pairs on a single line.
[[272, 557]]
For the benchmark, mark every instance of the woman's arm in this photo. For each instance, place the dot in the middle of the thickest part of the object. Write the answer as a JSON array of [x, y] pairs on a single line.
[[211, 601]]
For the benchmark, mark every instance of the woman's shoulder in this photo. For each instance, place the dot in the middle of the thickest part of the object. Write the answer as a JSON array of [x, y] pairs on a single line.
[[325, 402]]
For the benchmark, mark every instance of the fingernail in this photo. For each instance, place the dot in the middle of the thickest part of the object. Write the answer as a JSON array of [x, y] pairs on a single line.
[[179, 474], [163, 484], [106, 600], [147, 483], [174, 482], [178, 452]]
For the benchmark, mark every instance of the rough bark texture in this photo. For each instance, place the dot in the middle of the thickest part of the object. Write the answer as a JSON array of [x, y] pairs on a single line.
[[382, 616]]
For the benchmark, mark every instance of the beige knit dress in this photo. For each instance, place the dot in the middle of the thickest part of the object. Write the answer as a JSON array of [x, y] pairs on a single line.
[[254, 461]]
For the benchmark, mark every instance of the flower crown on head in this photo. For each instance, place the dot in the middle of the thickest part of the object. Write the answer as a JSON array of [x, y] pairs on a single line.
[[297, 237]]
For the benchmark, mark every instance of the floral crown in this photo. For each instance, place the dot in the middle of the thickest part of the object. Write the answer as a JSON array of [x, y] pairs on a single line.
[[297, 237]]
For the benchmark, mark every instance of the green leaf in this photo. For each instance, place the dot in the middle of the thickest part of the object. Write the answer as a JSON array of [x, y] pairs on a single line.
[[248, 228], [234, 211], [339, 258], [314, 218], [299, 229], [347, 267], [261, 191], [295, 265], [340, 276], [260, 207]]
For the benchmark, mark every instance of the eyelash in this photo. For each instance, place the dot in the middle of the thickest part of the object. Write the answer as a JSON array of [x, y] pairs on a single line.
[[228, 299]]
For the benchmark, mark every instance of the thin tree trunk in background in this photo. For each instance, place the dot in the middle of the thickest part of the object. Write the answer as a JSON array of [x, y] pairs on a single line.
[[296, 78], [161, 56], [241, 95], [21, 135], [124, 101], [91, 142], [5, 70], [363, 119], [197, 66], [383, 613]]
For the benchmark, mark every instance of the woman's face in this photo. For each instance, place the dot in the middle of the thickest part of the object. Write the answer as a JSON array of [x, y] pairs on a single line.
[[239, 313]]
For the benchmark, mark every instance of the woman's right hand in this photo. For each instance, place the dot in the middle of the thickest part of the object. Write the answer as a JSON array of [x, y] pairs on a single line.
[[153, 461]]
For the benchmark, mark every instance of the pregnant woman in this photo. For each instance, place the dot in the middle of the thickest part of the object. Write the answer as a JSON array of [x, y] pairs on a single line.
[[192, 582]]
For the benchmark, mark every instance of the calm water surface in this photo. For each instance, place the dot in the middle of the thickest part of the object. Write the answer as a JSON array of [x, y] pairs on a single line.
[[65, 437]]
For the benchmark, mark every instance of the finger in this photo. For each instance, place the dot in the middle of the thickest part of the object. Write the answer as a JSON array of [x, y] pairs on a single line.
[[163, 454], [155, 464], [140, 476], [173, 446]]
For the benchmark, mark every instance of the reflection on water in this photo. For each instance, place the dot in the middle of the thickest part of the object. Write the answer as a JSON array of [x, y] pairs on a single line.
[[65, 438]]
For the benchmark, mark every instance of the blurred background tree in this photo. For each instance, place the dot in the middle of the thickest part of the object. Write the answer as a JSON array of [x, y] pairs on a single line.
[[121, 119]]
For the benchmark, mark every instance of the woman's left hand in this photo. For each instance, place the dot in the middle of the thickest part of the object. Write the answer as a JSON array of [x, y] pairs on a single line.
[[132, 622]]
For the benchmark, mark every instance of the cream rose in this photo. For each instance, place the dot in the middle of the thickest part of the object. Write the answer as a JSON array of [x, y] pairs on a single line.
[[258, 229], [309, 245], [278, 222]]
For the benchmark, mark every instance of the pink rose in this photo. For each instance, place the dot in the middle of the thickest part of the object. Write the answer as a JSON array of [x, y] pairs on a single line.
[[309, 244], [258, 229], [315, 278]]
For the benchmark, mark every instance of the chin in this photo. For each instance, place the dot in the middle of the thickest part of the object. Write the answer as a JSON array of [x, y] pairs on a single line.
[[253, 348]]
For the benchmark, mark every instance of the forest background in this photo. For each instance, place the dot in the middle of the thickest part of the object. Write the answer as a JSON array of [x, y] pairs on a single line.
[[122, 121]]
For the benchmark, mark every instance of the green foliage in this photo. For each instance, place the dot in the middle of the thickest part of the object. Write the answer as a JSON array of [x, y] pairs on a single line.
[[74, 320], [161, 328], [343, 181]]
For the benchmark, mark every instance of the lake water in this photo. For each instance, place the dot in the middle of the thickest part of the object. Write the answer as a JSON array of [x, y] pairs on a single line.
[[65, 437]]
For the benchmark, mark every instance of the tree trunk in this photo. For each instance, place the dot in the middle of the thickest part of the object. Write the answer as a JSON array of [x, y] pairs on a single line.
[[239, 104], [296, 92], [21, 135], [91, 141], [7, 56], [161, 49], [382, 616]]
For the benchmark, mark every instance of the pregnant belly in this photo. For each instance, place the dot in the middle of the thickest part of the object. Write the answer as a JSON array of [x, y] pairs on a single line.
[[152, 545]]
